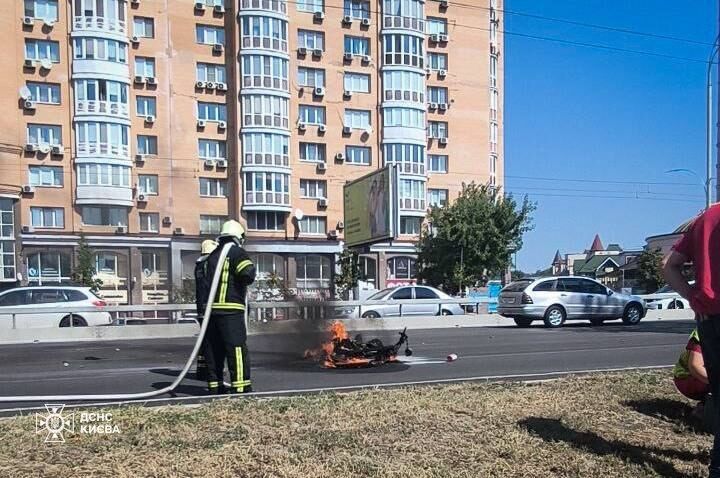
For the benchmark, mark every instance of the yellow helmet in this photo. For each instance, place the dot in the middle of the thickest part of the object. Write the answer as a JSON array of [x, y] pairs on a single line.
[[232, 228], [207, 246]]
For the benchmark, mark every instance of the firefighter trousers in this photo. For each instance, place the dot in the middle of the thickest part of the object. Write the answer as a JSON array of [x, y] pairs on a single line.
[[226, 340]]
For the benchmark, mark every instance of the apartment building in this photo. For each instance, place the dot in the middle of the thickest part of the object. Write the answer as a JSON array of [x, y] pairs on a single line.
[[141, 125]]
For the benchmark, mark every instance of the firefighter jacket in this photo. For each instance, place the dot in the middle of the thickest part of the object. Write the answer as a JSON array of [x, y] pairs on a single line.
[[203, 279], [238, 272]]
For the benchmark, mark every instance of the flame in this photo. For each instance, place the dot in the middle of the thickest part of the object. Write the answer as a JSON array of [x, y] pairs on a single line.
[[337, 332]]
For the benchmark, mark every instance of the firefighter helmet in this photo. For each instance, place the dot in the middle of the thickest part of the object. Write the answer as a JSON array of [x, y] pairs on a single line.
[[207, 246], [233, 229]]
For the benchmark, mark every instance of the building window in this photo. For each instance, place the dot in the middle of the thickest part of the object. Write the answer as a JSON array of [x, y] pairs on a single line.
[[100, 49], [404, 86], [313, 225], [146, 105], [48, 267], [410, 225], [210, 72], [105, 91], [438, 61], [267, 188], [436, 26], [103, 175], [265, 110], [106, 263], [95, 138], [212, 111], [312, 152], [356, 82], [438, 163], [147, 144], [45, 93], [149, 222], [42, 50], [211, 149], [404, 118], [266, 148], [402, 268], [367, 271], [412, 194], [46, 176], [314, 115], [437, 94], [148, 184], [7, 240], [410, 157], [358, 155], [357, 119], [404, 50], [104, 216], [47, 217], [358, 46], [143, 27], [437, 197], [145, 67], [313, 188], [312, 77], [44, 134], [357, 8], [42, 9], [313, 272], [209, 35], [264, 32], [265, 220], [311, 40], [268, 265], [493, 71], [213, 187], [264, 71], [437, 129], [310, 5], [211, 224]]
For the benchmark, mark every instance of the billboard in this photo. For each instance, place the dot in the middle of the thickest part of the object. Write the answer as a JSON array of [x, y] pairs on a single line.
[[371, 213]]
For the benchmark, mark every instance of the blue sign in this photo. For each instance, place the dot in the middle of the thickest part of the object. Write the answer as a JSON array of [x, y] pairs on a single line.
[[494, 288]]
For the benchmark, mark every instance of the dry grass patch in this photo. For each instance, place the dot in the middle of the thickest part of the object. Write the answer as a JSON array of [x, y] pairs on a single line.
[[611, 425]]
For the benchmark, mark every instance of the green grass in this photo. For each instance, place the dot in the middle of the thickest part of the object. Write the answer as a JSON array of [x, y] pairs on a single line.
[[610, 425]]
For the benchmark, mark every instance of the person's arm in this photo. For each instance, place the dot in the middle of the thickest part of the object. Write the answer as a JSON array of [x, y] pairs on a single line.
[[673, 272], [245, 269], [696, 366]]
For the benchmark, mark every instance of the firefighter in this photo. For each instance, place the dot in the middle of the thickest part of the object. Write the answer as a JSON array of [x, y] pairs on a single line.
[[226, 337], [202, 289]]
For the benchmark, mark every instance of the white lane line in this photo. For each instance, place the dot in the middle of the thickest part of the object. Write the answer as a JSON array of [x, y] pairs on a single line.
[[524, 377]]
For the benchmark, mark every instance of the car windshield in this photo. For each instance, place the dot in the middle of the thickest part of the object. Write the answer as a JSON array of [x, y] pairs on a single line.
[[665, 290], [381, 295], [517, 286]]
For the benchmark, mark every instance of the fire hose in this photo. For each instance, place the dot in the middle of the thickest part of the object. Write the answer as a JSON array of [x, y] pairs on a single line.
[[154, 393]]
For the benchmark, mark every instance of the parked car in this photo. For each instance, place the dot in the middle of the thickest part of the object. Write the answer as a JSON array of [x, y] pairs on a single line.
[[390, 307], [557, 299], [43, 300], [666, 298]]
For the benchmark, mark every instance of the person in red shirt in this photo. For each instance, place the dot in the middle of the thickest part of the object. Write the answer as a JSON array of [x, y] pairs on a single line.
[[701, 246]]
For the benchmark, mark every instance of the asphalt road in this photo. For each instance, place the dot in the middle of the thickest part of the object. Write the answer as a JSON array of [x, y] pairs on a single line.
[[484, 352]]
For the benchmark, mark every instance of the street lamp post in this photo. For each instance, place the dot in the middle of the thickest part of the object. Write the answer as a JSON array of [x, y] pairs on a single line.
[[708, 125]]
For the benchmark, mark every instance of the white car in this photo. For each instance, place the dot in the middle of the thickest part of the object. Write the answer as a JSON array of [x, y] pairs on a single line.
[[391, 308], [42, 300], [666, 298]]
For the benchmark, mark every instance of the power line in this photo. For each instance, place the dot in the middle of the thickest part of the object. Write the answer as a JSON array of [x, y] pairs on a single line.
[[604, 197], [603, 181]]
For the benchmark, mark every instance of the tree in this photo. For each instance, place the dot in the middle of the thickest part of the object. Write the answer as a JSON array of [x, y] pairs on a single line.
[[473, 238], [650, 270], [84, 271], [347, 279]]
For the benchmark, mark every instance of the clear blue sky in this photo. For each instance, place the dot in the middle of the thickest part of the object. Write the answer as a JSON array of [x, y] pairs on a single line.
[[581, 113]]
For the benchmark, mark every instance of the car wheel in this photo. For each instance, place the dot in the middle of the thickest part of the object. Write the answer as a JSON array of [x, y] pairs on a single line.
[[554, 317], [523, 322], [446, 312], [371, 315], [77, 321], [632, 315], [596, 322], [676, 304]]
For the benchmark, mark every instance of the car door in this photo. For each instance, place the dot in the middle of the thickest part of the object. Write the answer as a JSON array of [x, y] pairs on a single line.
[[423, 293], [392, 309], [44, 302], [595, 298], [571, 296], [14, 298]]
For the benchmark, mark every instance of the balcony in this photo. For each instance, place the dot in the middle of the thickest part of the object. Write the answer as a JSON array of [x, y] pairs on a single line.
[[267, 159], [407, 167], [96, 107], [265, 43], [100, 24], [121, 151], [399, 22], [276, 6], [104, 194], [413, 205], [404, 95], [267, 200], [265, 82]]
